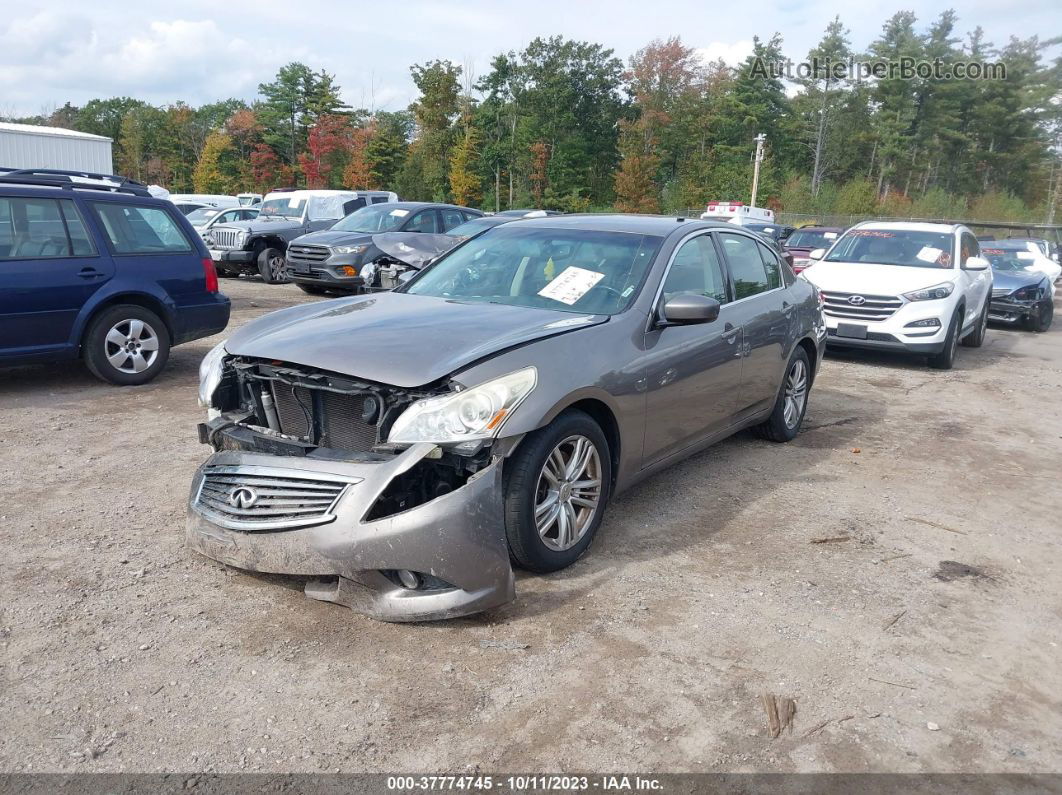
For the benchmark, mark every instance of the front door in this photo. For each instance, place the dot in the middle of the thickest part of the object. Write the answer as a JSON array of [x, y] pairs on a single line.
[[49, 268], [694, 371]]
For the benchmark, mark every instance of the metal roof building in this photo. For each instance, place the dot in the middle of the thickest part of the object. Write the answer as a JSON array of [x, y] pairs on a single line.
[[32, 146]]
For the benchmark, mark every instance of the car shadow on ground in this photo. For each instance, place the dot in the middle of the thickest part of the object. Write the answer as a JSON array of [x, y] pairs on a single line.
[[998, 343], [687, 505]]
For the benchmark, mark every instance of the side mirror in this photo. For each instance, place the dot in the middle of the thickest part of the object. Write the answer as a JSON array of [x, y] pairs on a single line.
[[689, 309], [975, 264], [818, 253]]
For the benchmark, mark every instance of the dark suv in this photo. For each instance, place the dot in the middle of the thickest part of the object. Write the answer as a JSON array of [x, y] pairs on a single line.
[[343, 258], [93, 266]]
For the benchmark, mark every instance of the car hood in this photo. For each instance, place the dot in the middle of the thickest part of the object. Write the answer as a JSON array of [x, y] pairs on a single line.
[[381, 337], [271, 224], [1012, 280], [871, 279], [328, 237]]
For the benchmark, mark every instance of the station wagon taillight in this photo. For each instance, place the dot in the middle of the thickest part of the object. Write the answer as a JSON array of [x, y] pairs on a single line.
[[210, 275]]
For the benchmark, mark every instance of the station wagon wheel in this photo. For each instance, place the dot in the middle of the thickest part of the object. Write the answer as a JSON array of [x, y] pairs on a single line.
[[557, 485], [126, 344], [568, 493]]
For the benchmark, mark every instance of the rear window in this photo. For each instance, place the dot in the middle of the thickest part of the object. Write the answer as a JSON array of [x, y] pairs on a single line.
[[134, 229]]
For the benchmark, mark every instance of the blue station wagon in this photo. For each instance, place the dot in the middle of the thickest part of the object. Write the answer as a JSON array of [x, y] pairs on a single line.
[[94, 267]]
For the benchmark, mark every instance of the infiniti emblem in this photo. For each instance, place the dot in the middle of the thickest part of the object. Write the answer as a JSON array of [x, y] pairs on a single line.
[[856, 300], [243, 497]]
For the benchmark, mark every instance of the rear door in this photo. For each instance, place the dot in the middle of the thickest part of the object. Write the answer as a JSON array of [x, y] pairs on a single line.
[[49, 269], [694, 371], [761, 309]]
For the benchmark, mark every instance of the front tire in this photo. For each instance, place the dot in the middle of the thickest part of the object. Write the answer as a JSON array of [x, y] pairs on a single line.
[[1041, 321], [945, 360], [272, 266], [557, 485], [976, 337], [126, 345], [784, 423]]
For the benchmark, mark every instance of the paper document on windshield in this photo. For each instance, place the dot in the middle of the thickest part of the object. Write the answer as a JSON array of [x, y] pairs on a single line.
[[930, 254], [572, 284]]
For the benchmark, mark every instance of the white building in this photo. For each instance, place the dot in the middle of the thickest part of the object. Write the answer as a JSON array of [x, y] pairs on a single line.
[[31, 146]]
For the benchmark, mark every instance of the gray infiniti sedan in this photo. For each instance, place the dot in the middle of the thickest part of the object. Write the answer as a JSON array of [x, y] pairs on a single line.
[[403, 450]]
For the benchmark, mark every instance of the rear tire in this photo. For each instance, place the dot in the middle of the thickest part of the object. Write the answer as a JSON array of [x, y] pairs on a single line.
[[1041, 321], [784, 423], [312, 289], [557, 485], [126, 345], [272, 266], [945, 360], [976, 337]]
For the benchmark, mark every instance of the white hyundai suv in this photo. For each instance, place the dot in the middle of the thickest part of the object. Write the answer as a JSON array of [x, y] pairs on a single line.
[[913, 287]]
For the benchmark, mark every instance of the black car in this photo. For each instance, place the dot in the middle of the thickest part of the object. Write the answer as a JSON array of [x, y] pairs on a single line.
[[1019, 296], [342, 258]]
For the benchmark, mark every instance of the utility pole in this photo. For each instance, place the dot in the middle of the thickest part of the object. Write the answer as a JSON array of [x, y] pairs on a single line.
[[759, 139]]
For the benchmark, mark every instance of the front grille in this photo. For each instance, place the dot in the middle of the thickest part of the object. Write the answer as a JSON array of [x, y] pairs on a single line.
[[309, 253], [226, 238], [264, 498], [873, 308], [343, 416], [1000, 291]]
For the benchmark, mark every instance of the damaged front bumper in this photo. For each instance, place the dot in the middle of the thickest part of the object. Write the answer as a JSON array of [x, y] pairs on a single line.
[[313, 516]]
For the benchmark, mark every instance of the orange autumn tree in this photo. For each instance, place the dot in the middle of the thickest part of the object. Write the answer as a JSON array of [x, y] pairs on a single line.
[[328, 143], [359, 171]]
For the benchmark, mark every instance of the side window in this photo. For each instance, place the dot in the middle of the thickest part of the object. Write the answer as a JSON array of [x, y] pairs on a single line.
[[133, 229], [424, 221], [746, 265], [379, 199], [696, 270], [968, 247], [353, 204], [451, 218], [773, 267], [81, 244], [34, 229]]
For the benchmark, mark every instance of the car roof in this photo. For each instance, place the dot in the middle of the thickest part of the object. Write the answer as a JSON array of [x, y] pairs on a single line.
[[819, 229], [419, 205], [83, 191], [909, 226], [661, 225]]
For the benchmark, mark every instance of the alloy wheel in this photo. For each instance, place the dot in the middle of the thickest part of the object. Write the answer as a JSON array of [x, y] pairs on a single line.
[[131, 346], [278, 268], [796, 393], [568, 493]]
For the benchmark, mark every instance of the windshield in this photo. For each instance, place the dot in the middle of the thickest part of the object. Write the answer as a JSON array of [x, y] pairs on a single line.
[[809, 239], [911, 248], [568, 270], [1014, 245], [475, 226], [377, 218], [769, 230], [1008, 258], [202, 215], [283, 207]]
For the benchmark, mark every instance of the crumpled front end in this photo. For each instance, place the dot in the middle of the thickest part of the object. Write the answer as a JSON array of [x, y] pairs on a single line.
[[397, 534]]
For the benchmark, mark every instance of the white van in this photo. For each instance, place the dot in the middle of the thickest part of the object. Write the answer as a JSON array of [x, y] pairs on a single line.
[[204, 199], [737, 213]]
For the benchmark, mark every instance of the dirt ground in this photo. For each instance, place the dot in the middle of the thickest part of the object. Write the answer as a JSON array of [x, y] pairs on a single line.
[[925, 634]]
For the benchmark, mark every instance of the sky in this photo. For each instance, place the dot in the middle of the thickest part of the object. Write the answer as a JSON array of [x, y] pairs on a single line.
[[161, 52]]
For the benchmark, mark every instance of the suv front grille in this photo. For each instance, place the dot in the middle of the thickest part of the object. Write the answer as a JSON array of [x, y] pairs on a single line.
[[308, 253], [226, 238], [264, 498], [343, 422], [873, 308]]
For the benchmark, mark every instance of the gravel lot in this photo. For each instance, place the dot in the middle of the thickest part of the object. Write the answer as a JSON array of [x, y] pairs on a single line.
[[926, 636]]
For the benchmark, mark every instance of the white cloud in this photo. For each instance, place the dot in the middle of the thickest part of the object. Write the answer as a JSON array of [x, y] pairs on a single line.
[[731, 54]]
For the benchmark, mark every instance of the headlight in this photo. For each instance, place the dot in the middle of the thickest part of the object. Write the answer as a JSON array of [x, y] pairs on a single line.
[[241, 237], [210, 372], [1026, 293], [368, 270], [349, 249], [476, 413], [931, 293]]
